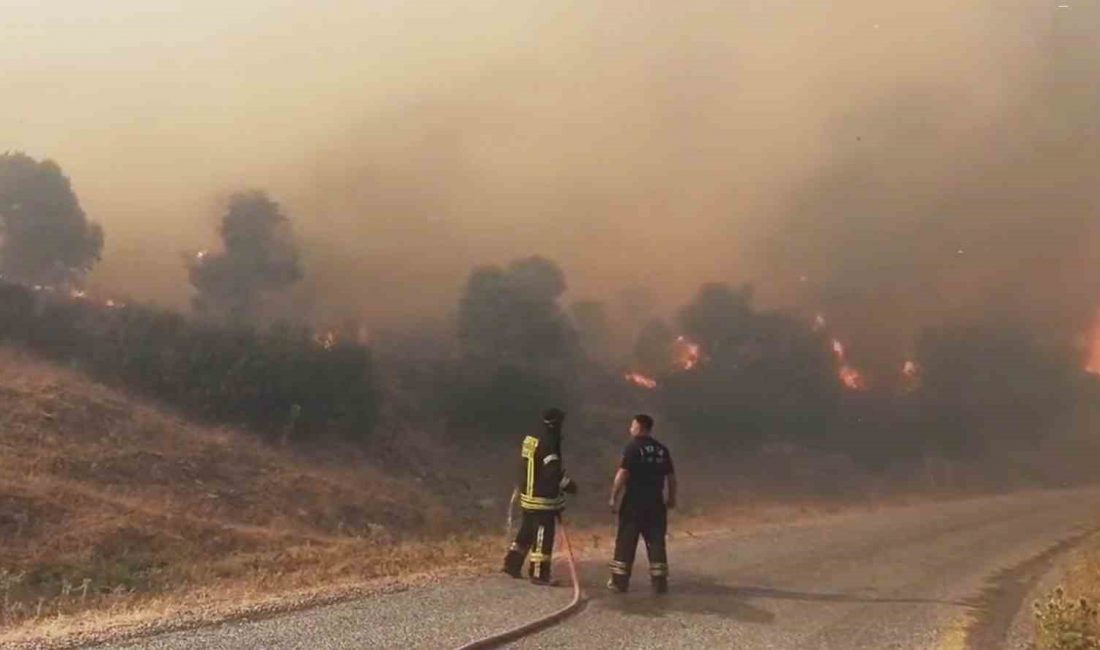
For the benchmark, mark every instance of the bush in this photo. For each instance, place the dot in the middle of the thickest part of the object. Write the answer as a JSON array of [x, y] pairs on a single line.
[[763, 375], [497, 401], [281, 384], [1065, 624], [993, 383]]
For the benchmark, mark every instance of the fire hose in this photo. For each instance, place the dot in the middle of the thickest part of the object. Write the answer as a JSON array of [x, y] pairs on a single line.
[[531, 627]]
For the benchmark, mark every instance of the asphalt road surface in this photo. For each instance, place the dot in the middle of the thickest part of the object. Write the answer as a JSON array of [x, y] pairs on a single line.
[[907, 577]]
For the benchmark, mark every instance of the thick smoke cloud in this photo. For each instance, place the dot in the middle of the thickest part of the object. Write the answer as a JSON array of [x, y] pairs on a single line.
[[837, 156], [917, 223]]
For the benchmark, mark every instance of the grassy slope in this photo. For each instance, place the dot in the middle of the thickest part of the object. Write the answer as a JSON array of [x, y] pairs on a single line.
[[109, 503]]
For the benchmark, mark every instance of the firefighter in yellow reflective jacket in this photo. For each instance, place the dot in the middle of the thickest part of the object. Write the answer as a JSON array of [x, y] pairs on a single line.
[[542, 485]]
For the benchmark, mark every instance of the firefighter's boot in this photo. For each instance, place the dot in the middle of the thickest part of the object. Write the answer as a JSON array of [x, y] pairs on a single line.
[[513, 562], [620, 577], [658, 576]]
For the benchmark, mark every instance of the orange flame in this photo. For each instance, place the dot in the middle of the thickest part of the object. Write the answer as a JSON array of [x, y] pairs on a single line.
[[638, 379], [1092, 366], [910, 371], [327, 340], [688, 354], [851, 378]]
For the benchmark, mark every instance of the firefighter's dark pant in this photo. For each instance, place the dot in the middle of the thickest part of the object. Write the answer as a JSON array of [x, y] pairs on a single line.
[[536, 534], [650, 522]]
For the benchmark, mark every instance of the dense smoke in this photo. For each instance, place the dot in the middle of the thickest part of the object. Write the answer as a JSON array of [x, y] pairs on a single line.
[[919, 224], [892, 166]]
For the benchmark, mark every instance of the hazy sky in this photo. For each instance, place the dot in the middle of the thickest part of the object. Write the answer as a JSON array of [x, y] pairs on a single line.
[[859, 145]]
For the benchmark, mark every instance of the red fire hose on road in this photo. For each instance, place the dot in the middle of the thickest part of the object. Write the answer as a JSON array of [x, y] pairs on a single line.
[[540, 623]]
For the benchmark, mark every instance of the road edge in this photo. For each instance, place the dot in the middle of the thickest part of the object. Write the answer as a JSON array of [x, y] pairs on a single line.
[[1000, 603]]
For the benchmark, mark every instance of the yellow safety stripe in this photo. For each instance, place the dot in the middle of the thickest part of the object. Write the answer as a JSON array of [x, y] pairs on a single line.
[[541, 500], [551, 458], [540, 503], [537, 553], [539, 557], [528, 500], [530, 444]]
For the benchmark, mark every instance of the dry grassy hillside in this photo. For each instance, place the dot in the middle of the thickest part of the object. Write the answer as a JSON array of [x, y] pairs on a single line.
[[109, 503]]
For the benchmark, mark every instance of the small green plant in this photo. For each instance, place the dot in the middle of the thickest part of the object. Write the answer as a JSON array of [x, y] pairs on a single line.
[[1062, 623]]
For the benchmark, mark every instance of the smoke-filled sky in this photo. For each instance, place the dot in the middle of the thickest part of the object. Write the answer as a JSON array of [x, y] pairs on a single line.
[[890, 163]]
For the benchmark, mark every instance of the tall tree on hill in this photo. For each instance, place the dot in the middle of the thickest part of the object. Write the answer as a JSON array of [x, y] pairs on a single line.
[[594, 330], [518, 348], [45, 237], [512, 315], [259, 257]]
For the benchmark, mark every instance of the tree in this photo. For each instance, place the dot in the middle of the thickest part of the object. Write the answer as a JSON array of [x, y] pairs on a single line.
[[653, 347], [992, 381], [720, 317], [259, 257], [762, 375], [512, 315], [45, 237], [519, 352], [593, 328]]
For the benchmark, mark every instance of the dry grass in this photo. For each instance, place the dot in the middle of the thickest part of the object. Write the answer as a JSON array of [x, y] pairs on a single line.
[[1068, 618], [1083, 578], [108, 505]]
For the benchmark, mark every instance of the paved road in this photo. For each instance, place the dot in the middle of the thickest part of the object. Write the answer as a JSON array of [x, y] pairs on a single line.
[[903, 577]]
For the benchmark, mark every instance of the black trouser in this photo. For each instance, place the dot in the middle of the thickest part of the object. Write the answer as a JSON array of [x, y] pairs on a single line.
[[650, 522], [536, 533]]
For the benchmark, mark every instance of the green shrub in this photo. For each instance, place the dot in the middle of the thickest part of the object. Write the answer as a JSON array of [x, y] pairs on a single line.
[[283, 384]]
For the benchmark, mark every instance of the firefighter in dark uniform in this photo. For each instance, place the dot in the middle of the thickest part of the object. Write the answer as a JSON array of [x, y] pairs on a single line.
[[645, 470], [542, 485]]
